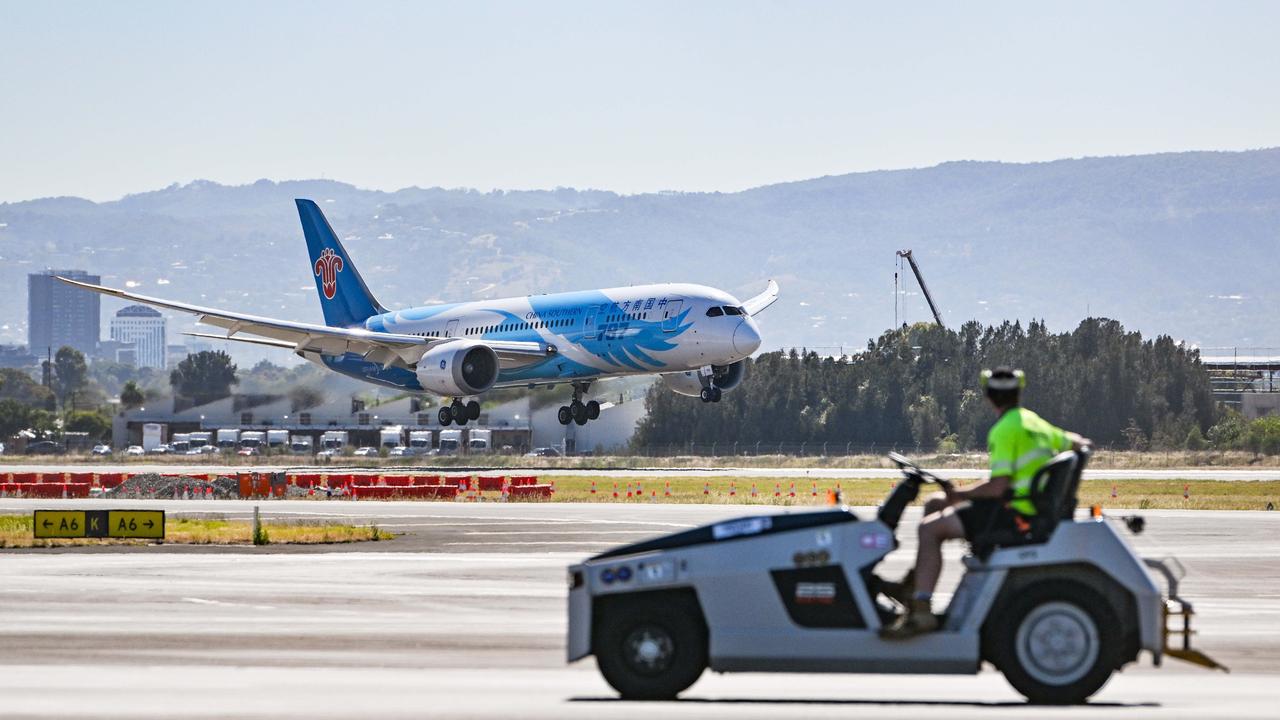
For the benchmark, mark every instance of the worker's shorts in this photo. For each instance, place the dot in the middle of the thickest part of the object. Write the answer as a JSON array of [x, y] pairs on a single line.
[[984, 514]]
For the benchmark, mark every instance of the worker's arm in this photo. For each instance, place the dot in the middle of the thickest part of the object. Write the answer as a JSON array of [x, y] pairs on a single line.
[[993, 489]]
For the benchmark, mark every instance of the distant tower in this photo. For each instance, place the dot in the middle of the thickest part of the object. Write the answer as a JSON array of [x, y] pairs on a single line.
[[59, 314], [145, 328]]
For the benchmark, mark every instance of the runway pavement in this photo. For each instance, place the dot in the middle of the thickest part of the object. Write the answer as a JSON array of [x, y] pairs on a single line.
[[1202, 473], [463, 615]]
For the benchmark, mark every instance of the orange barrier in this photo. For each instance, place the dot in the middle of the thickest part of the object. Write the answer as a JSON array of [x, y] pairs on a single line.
[[458, 481], [531, 491], [489, 483], [522, 480], [417, 492], [245, 482], [398, 480]]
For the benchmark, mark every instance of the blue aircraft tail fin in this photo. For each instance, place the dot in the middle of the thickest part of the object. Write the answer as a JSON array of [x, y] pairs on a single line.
[[344, 297]]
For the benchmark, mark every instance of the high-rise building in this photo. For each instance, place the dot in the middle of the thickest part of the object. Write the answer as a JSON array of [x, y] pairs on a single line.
[[60, 314], [144, 327]]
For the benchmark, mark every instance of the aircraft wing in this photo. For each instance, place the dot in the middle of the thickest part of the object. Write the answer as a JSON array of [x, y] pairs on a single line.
[[757, 304], [386, 348]]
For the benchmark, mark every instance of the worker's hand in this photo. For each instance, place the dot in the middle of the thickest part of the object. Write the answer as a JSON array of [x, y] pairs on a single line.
[[953, 495]]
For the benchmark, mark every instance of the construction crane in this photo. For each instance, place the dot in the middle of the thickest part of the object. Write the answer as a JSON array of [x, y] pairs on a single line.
[[925, 288]]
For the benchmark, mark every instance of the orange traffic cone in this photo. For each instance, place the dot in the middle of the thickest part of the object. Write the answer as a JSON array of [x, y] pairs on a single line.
[[593, 487], [753, 489], [793, 489], [1113, 490], [706, 488], [1186, 492], [667, 491], [777, 489], [815, 490], [733, 489], [615, 491]]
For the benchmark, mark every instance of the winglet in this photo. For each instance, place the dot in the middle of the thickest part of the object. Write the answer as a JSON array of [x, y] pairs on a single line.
[[757, 304]]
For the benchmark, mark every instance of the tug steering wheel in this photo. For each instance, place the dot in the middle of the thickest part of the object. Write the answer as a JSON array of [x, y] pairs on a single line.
[[917, 473]]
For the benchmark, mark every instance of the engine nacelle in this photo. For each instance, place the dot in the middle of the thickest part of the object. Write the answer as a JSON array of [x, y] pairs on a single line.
[[727, 377], [458, 368]]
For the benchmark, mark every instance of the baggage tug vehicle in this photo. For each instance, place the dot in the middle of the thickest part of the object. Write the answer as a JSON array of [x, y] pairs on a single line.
[[1056, 608]]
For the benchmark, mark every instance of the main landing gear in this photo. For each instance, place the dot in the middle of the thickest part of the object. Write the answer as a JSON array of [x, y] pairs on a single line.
[[578, 411], [459, 412]]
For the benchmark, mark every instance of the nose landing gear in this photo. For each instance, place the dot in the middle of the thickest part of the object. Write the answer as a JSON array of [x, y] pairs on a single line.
[[458, 412], [709, 393], [578, 411]]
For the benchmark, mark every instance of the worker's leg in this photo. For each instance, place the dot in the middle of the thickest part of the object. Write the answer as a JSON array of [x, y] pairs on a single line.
[[933, 530]]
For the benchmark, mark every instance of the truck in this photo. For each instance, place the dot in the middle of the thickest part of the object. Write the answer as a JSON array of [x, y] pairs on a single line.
[[300, 445], [180, 442], [334, 441], [450, 442], [153, 435], [199, 439], [253, 439], [480, 441], [228, 438], [420, 442], [391, 436], [277, 439]]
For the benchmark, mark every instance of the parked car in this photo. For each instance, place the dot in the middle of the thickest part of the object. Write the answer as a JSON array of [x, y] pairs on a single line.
[[101, 450], [45, 447], [248, 452], [328, 453], [543, 452], [135, 450], [159, 450], [366, 452], [399, 451]]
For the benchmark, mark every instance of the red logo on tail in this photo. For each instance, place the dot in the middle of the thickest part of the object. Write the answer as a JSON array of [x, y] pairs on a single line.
[[327, 268]]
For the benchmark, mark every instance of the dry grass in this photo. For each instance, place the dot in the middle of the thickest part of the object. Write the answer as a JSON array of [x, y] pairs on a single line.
[[1140, 494], [16, 532]]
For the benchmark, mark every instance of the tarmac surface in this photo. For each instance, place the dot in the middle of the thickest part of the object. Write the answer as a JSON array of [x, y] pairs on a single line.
[[1206, 473], [464, 615]]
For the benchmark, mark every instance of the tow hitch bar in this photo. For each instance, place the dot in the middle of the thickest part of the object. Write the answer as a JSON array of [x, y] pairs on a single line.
[[1175, 607]]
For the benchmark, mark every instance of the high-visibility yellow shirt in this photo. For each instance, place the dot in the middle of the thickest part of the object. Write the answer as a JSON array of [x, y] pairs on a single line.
[[1020, 443]]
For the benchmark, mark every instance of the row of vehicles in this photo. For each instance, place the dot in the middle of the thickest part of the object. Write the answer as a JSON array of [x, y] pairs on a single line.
[[392, 441]]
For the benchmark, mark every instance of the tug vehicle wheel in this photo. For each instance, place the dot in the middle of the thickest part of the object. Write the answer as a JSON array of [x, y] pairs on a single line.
[[1058, 642], [648, 651]]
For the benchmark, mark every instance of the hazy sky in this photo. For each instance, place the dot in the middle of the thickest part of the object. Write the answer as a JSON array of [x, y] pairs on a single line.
[[106, 98]]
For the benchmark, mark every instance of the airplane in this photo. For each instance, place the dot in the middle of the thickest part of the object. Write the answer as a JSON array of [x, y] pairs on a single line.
[[698, 336]]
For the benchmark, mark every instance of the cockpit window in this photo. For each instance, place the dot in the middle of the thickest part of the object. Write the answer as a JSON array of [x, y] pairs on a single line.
[[731, 310], [715, 312]]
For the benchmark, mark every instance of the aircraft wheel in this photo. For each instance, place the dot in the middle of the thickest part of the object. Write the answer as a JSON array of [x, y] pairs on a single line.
[[473, 410], [715, 394], [1057, 643], [593, 410], [650, 651], [579, 412], [445, 416], [707, 395], [564, 415]]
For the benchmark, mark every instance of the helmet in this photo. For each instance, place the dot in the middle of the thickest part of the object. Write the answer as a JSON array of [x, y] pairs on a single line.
[[1003, 378]]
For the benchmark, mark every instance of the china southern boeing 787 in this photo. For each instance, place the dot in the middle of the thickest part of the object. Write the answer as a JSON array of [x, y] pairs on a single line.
[[698, 334]]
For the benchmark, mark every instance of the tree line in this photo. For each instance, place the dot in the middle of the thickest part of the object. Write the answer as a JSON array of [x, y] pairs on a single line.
[[918, 386]]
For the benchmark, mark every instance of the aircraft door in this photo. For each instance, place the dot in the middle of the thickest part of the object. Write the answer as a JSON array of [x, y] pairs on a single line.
[[671, 316], [451, 329]]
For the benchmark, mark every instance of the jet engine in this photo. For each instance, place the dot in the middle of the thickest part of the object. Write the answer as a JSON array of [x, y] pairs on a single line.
[[458, 368], [727, 377]]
